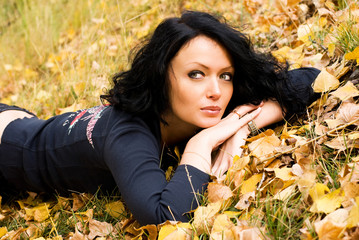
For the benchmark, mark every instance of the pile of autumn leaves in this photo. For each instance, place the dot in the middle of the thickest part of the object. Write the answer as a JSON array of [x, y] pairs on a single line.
[[276, 165]]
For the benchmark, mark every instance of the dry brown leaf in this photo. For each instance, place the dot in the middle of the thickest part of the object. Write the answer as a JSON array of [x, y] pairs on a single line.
[[244, 232], [345, 92], [342, 143], [245, 200], [204, 217], [99, 229], [350, 173], [80, 200], [332, 225], [218, 192], [78, 235], [297, 170], [351, 190], [150, 231], [320, 129], [264, 147], [306, 182], [349, 112], [239, 178]]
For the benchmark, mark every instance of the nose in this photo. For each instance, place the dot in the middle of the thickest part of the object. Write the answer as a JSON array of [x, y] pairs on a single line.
[[213, 89]]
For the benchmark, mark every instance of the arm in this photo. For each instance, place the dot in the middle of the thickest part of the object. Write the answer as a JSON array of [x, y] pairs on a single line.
[[271, 113], [199, 148], [132, 155], [298, 87]]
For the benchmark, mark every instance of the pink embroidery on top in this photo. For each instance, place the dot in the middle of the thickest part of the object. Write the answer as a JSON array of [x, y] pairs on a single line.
[[76, 119], [94, 118]]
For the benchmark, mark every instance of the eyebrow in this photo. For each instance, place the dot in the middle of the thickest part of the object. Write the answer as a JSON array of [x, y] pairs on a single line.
[[204, 66]]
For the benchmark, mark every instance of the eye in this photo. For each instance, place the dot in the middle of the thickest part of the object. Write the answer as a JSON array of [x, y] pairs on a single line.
[[226, 76], [196, 74]]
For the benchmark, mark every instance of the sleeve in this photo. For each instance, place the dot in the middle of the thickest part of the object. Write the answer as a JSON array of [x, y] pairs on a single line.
[[132, 156], [299, 91]]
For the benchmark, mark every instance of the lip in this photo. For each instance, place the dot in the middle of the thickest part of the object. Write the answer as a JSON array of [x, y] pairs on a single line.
[[211, 110]]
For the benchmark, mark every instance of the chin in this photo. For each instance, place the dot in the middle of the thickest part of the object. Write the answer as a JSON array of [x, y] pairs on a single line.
[[209, 123]]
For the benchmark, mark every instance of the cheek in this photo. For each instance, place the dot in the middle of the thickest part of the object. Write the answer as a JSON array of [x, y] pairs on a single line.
[[229, 94]]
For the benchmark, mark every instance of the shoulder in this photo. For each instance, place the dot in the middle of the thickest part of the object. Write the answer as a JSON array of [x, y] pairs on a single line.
[[129, 128], [303, 75]]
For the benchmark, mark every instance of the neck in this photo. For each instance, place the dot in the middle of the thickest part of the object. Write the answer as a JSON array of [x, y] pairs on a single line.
[[176, 131]]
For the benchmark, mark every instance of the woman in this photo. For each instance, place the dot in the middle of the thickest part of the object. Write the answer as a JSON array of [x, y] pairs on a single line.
[[192, 71]]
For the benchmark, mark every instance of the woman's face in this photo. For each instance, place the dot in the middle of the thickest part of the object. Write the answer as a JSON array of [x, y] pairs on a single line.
[[200, 83]]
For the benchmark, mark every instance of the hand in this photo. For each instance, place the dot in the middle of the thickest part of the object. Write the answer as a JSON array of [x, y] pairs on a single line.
[[199, 148], [230, 148]]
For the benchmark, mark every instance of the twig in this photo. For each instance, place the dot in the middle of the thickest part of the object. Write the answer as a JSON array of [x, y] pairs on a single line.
[[173, 216], [190, 182], [310, 141]]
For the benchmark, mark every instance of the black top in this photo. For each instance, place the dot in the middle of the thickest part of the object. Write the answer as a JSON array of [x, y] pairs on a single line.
[[102, 146]]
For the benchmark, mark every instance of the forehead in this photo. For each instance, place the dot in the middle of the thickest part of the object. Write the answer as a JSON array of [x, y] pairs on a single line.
[[202, 48]]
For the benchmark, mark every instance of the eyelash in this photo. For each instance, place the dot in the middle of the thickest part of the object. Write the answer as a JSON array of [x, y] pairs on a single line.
[[193, 73], [228, 74]]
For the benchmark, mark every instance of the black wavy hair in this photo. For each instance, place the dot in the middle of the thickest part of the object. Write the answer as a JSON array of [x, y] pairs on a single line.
[[143, 90]]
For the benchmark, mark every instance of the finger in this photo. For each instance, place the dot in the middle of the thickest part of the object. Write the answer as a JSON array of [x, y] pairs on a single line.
[[242, 110], [248, 117]]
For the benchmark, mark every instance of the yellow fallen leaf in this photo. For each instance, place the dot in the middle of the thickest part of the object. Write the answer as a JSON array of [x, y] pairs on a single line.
[[165, 231], [306, 33], [115, 209], [177, 231], [3, 231], [38, 213], [221, 229], [232, 214], [288, 54], [204, 217], [329, 202], [331, 49], [325, 82], [318, 191], [250, 184], [285, 193], [284, 173], [180, 234], [354, 55], [345, 92], [353, 219]]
